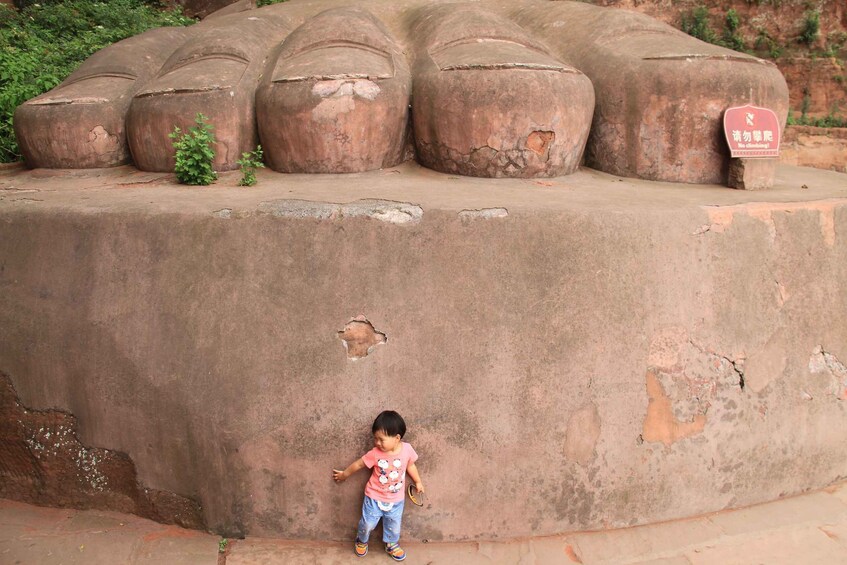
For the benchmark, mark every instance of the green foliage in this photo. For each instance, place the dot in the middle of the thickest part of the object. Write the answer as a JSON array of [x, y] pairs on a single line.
[[44, 42], [194, 153], [222, 545], [696, 24], [831, 120], [804, 106], [731, 37], [249, 163], [835, 43], [811, 27], [261, 3], [765, 41]]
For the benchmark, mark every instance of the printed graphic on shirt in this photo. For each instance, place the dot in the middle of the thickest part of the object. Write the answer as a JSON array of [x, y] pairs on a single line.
[[389, 473]]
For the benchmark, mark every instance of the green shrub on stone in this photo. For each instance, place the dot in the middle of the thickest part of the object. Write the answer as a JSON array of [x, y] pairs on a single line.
[[731, 37], [696, 24], [194, 153], [250, 161], [811, 27]]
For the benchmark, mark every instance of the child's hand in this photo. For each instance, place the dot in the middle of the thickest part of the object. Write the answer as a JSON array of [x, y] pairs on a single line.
[[419, 486], [339, 476]]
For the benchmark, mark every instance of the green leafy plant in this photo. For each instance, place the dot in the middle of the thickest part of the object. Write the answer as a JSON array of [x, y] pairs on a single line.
[[805, 105], [696, 24], [194, 153], [731, 37], [250, 161], [811, 27], [222, 545]]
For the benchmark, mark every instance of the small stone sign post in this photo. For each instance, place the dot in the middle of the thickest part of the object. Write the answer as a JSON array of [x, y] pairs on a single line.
[[752, 134]]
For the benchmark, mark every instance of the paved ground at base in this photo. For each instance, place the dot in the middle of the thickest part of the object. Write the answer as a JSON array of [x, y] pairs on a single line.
[[809, 529]]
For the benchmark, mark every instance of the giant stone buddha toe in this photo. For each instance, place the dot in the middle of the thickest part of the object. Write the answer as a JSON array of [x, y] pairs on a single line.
[[524, 89]]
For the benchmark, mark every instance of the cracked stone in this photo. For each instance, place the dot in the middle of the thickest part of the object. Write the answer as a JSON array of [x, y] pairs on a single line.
[[384, 210], [483, 213], [360, 338], [823, 362]]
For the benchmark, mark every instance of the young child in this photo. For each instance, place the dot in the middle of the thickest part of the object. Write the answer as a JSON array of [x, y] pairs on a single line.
[[385, 492]]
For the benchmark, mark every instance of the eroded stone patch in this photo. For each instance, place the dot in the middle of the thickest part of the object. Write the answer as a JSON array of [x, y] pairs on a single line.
[[483, 214], [539, 141], [382, 210], [43, 462], [661, 424], [823, 362], [582, 434], [485, 161], [102, 141], [767, 364], [722, 217], [686, 384], [360, 338]]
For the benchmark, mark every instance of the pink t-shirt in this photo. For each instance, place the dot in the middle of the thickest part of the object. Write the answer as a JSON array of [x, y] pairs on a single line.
[[388, 480]]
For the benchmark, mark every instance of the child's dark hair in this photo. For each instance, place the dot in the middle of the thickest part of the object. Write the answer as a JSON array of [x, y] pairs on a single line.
[[389, 422]]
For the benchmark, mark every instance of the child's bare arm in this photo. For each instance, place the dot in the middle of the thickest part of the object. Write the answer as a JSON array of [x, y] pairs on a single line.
[[416, 477], [341, 476]]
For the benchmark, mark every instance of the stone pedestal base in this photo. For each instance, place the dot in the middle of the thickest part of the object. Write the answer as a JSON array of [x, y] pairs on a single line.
[[751, 174]]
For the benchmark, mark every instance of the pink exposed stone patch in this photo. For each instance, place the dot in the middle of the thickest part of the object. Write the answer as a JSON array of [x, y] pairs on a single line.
[[360, 338], [687, 386], [538, 141]]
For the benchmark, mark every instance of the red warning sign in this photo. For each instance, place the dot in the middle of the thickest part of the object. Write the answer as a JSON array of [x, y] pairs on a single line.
[[751, 131]]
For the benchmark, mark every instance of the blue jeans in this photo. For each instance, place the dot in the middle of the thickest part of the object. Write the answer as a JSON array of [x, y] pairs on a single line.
[[391, 514]]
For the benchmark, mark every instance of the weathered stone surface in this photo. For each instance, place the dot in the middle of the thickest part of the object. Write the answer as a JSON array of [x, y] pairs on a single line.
[[80, 123], [583, 431], [42, 461], [491, 102], [498, 91], [214, 74], [660, 93], [751, 174], [822, 148], [336, 97], [206, 349]]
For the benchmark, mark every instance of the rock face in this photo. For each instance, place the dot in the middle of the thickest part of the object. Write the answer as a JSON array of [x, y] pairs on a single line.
[[335, 99], [496, 89], [773, 29], [214, 73], [42, 461], [489, 101], [822, 148], [660, 94], [615, 353], [818, 84], [80, 124]]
